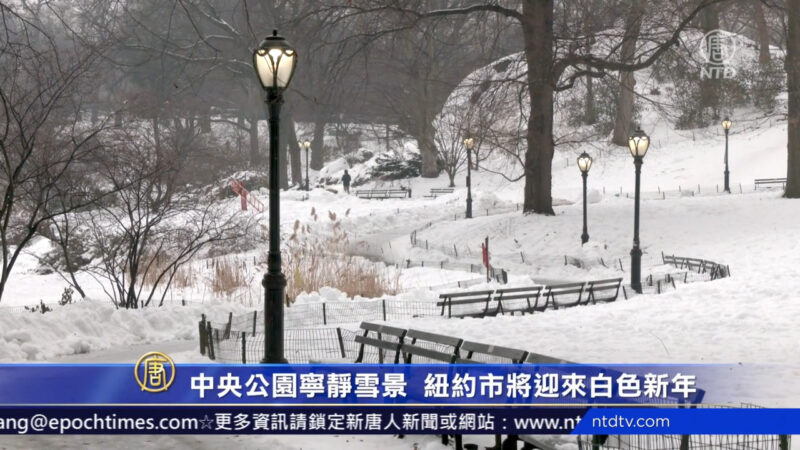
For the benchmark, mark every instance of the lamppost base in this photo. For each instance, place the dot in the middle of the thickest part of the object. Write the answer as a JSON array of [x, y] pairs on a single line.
[[274, 283], [281, 361], [584, 238], [636, 269]]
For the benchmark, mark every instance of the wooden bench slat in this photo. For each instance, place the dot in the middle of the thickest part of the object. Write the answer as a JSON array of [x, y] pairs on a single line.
[[433, 337], [378, 328], [513, 354], [410, 351]]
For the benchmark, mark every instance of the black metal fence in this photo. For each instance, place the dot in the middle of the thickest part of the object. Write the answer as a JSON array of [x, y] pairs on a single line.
[[678, 442], [301, 345]]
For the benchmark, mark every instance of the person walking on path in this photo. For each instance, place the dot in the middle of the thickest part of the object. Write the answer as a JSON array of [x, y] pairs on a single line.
[[346, 182]]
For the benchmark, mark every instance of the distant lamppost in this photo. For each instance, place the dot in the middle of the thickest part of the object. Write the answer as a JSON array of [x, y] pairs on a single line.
[[726, 125], [469, 143], [274, 61], [307, 145], [638, 144], [584, 164]]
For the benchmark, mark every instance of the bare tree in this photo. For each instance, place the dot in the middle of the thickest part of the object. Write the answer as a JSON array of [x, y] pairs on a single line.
[[42, 143], [555, 63], [151, 227]]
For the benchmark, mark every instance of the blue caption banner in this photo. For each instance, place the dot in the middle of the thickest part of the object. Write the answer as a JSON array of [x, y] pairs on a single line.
[[418, 384]]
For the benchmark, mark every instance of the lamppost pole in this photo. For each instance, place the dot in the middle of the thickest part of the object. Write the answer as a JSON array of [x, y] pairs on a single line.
[[636, 251], [638, 144], [469, 143], [584, 164], [726, 125], [274, 62], [585, 234], [274, 281]]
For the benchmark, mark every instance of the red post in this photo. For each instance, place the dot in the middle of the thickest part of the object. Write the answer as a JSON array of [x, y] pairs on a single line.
[[244, 199]]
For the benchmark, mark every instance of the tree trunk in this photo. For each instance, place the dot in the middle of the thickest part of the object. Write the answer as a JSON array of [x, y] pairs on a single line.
[[627, 82], [426, 142], [764, 56], [318, 144], [255, 153], [293, 147], [793, 84], [537, 31], [428, 152], [590, 115]]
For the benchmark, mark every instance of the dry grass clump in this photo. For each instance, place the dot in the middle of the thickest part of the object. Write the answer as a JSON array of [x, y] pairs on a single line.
[[229, 275], [314, 262]]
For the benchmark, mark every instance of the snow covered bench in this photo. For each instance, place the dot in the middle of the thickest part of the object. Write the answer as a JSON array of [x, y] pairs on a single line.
[[521, 299], [769, 182], [467, 304], [476, 352], [424, 347], [594, 291], [435, 192], [698, 265], [379, 343], [603, 290], [383, 194]]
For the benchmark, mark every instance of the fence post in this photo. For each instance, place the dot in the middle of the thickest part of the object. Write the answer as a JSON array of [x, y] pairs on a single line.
[[522, 256], [324, 314], [210, 342], [255, 314], [455, 250], [227, 332], [784, 442], [202, 330], [244, 347], [341, 341], [383, 305]]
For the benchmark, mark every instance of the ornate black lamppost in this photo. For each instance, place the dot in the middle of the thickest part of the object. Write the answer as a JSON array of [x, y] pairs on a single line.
[[274, 61], [469, 143], [726, 125], [307, 145], [638, 144], [584, 164]]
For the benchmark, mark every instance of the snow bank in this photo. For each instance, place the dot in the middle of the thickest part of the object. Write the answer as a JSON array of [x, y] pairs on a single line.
[[89, 326]]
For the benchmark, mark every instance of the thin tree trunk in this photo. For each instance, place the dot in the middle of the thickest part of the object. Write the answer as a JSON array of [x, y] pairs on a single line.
[[764, 56], [709, 86], [537, 30], [293, 147], [793, 83], [627, 81], [318, 144], [255, 153]]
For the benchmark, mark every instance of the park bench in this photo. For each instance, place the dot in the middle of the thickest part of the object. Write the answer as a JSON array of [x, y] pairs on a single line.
[[556, 293], [424, 347], [467, 304], [435, 192], [769, 182], [521, 299], [476, 352], [603, 290], [379, 343], [697, 265], [382, 194]]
